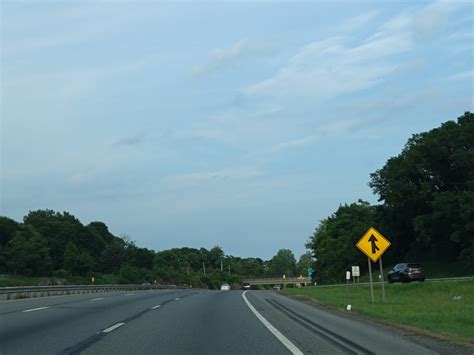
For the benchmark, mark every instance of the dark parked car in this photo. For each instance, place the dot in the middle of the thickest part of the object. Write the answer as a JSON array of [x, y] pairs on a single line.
[[407, 272]]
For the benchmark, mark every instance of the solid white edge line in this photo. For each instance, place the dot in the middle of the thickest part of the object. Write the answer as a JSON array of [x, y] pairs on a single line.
[[97, 299], [156, 307], [283, 339], [35, 309], [129, 294], [115, 326], [177, 298]]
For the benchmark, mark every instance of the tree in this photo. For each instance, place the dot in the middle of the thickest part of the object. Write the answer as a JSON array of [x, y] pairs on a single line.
[[112, 258], [333, 242], [283, 263], [215, 256], [305, 262], [60, 228], [139, 257], [76, 262], [27, 253], [8, 228], [427, 192]]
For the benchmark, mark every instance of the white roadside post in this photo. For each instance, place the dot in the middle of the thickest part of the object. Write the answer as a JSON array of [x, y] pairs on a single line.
[[381, 275], [348, 277]]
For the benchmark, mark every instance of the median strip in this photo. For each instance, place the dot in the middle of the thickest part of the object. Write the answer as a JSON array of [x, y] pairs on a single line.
[[156, 307], [35, 309], [129, 294], [115, 326], [177, 298]]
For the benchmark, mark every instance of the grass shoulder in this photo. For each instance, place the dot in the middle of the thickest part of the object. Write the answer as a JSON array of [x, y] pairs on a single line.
[[432, 306]]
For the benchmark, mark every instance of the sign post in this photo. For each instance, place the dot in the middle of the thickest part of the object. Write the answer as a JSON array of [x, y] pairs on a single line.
[[373, 244], [381, 274], [371, 283]]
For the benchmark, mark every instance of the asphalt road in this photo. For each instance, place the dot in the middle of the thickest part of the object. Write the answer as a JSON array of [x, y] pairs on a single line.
[[196, 322]]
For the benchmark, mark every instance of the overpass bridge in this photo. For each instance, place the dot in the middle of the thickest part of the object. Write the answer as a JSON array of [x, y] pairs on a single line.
[[297, 281]]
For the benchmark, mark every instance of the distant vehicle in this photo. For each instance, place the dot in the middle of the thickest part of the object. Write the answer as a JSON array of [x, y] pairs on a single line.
[[225, 287], [277, 287], [407, 272], [246, 286]]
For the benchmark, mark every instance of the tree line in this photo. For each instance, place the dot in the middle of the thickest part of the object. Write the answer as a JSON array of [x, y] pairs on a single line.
[[57, 245], [426, 209]]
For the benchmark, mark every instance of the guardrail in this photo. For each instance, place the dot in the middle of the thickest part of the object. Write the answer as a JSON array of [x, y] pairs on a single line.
[[11, 293], [350, 284], [278, 280]]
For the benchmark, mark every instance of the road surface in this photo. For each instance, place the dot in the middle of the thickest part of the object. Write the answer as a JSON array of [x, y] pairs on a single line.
[[196, 322]]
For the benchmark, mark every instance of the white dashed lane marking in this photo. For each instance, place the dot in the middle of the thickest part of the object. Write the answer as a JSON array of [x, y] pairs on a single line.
[[35, 309], [115, 326]]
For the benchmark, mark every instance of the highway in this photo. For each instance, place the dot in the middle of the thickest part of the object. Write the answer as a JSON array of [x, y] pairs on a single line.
[[193, 321]]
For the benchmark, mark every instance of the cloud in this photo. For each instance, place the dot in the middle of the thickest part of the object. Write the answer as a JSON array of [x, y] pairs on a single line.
[[130, 140], [325, 69], [210, 176], [335, 127], [224, 56], [429, 21], [465, 75], [358, 22], [80, 178]]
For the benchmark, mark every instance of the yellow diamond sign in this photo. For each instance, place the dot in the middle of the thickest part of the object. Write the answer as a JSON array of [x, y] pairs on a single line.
[[373, 244]]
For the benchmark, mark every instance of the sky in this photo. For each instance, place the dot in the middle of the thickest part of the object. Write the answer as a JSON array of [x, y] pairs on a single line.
[[240, 124]]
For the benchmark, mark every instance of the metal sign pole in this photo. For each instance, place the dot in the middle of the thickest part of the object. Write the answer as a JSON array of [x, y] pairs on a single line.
[[381, 273], [370, 277]]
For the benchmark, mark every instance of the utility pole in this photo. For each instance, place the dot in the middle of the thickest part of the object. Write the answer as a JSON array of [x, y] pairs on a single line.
[[222, 266], [229, 270], [204, 267]]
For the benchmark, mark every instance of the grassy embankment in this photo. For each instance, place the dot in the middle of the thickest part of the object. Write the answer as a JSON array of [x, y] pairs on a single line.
[[433, 270], [428, 306]]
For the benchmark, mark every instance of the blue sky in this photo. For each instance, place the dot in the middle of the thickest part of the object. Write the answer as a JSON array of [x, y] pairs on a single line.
[[238, 124]]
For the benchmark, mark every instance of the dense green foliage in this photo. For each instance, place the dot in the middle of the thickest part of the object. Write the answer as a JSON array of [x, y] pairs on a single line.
[[50, 243], [427, 210], [333, 241], [283, 263]]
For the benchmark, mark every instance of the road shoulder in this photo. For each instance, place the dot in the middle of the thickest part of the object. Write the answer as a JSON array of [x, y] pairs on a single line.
[[437, 342]]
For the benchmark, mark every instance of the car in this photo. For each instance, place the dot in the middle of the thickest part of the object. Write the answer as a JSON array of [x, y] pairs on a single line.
[[246, 286], [277, 287], [407, 272], [225, 287]]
